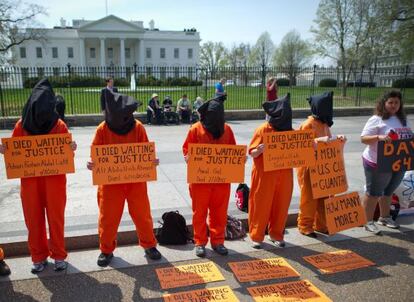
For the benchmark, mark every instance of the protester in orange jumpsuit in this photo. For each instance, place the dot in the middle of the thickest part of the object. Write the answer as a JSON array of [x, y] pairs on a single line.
[[271, 191], [120, 127], [312, 211], [210, 199], [4, 268], [43, 196]]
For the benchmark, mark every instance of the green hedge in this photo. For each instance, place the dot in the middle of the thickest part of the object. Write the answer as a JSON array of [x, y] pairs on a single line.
[[328, 83], [403, 83], [282, 82]]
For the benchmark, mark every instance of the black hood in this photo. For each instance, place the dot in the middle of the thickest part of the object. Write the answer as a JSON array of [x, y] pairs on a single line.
[[119, 112], [322, 107], [39, 115], [280, 113], [212, 116]]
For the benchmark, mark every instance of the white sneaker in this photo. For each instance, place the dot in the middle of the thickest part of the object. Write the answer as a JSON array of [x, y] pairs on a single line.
[[372, 228], [256, 245], [388, 222], [278, 243]]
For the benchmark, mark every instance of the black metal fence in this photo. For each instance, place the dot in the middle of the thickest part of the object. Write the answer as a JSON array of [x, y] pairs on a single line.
[[245, 86]]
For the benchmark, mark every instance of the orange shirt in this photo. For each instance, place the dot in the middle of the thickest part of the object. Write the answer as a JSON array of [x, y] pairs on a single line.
[[320, 129], [60, 127], [105, 136]]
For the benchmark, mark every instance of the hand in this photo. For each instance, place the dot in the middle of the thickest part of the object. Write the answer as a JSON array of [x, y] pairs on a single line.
[[341, 137], [73, 146], [2, 149], [258, 151], [156, 162], [384, 138], [90, 165], [323, 139]]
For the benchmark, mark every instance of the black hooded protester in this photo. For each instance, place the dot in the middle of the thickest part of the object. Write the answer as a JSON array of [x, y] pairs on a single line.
[[322, 107]]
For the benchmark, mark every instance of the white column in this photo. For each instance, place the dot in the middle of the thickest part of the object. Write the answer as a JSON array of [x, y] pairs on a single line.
[[122, 52], [103, 52], [82, 51], [141, 60]]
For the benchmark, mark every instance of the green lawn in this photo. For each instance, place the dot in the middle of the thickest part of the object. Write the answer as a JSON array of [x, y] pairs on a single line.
[[85, 100]]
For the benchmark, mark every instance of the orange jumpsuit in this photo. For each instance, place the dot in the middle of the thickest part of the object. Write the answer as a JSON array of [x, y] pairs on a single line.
[[112, 197], [312, 211], [209, 199], [43, 197], [270, 194]]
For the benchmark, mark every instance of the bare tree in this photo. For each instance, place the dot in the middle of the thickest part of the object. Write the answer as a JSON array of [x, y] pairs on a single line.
[[212, 55], [262, 53]]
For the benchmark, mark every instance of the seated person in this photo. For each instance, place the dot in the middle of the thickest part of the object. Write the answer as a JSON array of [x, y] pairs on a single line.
[[154, 111], [197, 104], [184, 109], [169, 115]]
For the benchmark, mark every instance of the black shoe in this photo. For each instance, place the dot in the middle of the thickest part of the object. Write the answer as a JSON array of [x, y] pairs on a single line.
[[105, 259], [220, 249], [4, 268], [153, 253], [200, 251], [311, 235]]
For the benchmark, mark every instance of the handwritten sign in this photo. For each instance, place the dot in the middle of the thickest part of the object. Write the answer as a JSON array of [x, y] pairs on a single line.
[[344, 212], [38, 155], [123, 163], [328, 176], [396, 156], [339, 261], [301, 290], [222, 293], [263, 269], [184, 275], [210, 163], [288, 149]]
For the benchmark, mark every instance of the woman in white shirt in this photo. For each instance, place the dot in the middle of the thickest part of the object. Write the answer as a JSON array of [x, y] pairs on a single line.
[[388, 123]]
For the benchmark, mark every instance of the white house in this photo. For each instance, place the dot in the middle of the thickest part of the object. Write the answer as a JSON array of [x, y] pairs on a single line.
[[110, 41]]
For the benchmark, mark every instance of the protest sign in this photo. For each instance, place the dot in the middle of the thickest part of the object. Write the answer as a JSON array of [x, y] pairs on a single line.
[[288, 149], [38, 155], [339, 261], [396, 156], [184, 275], [222, 293], [262, 269], [123, 163], [328, 176], [344, 212], [301, 290], [211, 163]]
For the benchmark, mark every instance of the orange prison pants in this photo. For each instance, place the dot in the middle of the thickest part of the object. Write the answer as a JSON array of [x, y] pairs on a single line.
[[210, 200], [312, 211], [1, 254], [45, 197], [269, 201], [111, 207]]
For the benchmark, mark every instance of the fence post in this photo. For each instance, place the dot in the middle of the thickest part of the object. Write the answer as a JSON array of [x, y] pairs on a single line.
[[407, 68], [206, 79], [1, 101], [359, 89], [70, 87], [135, 79], [196, 79], [263, 89], [313, 79]]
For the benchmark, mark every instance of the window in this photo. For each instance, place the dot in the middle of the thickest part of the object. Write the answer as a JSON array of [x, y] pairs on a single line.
[[190, 53], [148, 53], [92, 53], [162, 53], [39, 52], [22, 52], [110, 53], [127, 53], [54, 52], [176, 53], [70, 52]]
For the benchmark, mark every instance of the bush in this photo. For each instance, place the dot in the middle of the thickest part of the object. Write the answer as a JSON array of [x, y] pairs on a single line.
[[361, 84], [403, 83], [282, 82], [328, 83]]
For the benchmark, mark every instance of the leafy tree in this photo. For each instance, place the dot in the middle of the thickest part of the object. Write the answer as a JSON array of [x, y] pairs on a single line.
[[262, 53], [212, 55]]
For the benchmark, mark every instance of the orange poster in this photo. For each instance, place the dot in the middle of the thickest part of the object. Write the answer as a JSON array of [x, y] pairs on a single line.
[[339, 261], [288, 149], [123, 163], [38, 155], [301, 290], [263, 269], [328, 176], [184, 275], [210, 163], [222, 293], [344, 212]]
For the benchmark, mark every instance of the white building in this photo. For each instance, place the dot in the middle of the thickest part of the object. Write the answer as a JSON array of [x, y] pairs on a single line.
[[110, 41]]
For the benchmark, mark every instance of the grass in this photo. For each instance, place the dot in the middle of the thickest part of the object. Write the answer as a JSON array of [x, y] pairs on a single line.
[[85, 100]]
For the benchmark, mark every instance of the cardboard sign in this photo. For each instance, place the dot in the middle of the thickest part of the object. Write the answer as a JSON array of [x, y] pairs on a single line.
[[288, 149], [396, 156], [301, 290], [38, 155], [344, 212], [339, 261], [123, 163], [328, 176], [222, 293], [263, 269], [184, 275], [210, 163]]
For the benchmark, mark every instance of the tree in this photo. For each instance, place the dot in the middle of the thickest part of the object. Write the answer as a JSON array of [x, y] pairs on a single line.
[[262, 53], [17, 20], [212, 55], [292, 54]]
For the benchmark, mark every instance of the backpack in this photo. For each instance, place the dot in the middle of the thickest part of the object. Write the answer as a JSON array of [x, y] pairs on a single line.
[[242, 197], [234, 228], [173, 229]]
